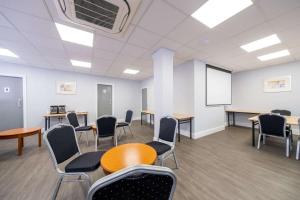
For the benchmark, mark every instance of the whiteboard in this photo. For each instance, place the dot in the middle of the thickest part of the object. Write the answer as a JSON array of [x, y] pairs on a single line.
[[218, 86]]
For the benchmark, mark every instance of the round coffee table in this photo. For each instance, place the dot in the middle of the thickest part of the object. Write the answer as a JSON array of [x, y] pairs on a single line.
[[20, 133], [127, 155]]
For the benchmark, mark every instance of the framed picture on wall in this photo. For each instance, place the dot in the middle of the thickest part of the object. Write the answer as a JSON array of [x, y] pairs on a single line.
[[278, 84], [66, 87]]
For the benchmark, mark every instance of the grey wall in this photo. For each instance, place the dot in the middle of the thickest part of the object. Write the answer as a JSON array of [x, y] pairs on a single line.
[[41, 92], [247, 90]]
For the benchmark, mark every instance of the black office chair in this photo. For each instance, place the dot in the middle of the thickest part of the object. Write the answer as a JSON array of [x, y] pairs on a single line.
[[273, 125], [138, 182], [127, 122], [72, 118], [62, 144], [106, 127], [165, 146]]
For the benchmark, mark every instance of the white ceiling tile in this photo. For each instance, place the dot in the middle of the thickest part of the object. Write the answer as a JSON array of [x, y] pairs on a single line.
[[10, 35], [44, 42], [78, 52], [108, 44], [102, 54], [19, 47], [166, 43], [184, 52], [133, 51], [4, 22], [122, 37], [161, 18], [144, 5], [58, 61], [143, 38], [187, 7], [53, 53], [100, 63]]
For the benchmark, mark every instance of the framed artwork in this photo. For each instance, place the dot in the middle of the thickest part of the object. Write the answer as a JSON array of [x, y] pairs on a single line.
[[278, 84], [66, 87]]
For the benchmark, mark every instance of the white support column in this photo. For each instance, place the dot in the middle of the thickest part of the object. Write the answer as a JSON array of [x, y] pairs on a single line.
[[163, 85]]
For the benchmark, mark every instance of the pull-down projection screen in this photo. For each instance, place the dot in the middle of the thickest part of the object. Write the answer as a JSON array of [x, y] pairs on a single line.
[[218, 86]]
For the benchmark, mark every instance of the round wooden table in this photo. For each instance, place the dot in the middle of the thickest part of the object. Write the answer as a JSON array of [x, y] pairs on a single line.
[[127, 155], [20, 133]]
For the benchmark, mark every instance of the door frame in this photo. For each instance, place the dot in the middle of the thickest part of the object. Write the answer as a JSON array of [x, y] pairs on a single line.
[[112, 97], [23, 77]]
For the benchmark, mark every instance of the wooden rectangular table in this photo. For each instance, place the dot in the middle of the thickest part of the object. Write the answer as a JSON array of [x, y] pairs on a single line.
[[61, 116], [181, 118], [233, 111], [290, 120]]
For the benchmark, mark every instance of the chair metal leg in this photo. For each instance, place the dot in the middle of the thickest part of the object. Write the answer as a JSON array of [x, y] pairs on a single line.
[[264, 139], [130, 130], [96, 143], [174, 156], [298, 150], [258, 142], [288, 147], [56, 189], [124, 131], [87, 138]]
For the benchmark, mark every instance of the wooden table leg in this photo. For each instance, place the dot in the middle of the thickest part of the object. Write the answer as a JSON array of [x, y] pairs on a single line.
[[40, 138], [20, 145]]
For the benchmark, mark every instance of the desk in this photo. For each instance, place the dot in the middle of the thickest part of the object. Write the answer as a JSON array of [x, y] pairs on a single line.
[[290, 120], [181, 118], [20, 133], [61, 116], [127, 155], [233, 111]]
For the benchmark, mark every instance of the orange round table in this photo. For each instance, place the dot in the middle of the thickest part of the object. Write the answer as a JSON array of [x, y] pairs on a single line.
[[20, 133], [127, 155]]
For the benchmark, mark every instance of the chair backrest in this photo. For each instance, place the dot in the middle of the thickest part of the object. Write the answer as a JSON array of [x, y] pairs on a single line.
[[61, 142], [167, 129], [282, 112], [272, 124], [138, 182], [106, 126], [72, 118], [128, 117]]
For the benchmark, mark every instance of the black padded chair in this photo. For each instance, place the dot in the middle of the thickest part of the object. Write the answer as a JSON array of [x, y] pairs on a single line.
[[138, 182], [72, 118], [274, 125], [298, 144], [62, 144], [285, 113], [165, 145], [127, 122], [106, 127]]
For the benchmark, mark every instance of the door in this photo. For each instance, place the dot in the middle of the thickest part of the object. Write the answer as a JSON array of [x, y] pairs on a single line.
[[144, 99], [104, 102], [11, 102]]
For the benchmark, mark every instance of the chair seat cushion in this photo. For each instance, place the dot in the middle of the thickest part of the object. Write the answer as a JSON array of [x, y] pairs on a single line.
[[83, 128], [160, 147], [85, 162], [121, 124]]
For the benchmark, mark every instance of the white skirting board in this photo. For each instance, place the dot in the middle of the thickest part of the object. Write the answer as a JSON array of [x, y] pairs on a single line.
[[203, 133]]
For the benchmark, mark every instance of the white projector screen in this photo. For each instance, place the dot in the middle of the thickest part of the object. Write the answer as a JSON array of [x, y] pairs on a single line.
[[218, 86]]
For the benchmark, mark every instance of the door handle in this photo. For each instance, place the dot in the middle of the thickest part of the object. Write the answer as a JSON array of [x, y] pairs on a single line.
[[19, 103]]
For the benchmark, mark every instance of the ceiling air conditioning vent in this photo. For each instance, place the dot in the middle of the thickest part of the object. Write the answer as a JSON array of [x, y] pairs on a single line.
[[112, 16]]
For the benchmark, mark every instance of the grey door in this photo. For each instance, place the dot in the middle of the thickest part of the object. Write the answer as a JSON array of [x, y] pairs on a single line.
[[144, 99], [11, 102], [104, 100]]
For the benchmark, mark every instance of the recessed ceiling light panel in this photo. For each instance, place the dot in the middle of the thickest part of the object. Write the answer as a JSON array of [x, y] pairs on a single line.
[[277, 54], [214, 12], [9, 53], [130, 71], [78, 63], [75, 35], [261, 43]]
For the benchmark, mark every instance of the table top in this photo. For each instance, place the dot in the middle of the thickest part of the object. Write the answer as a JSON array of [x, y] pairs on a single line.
[[243, 111], [64, 114], [127, 155], [178, 116], [13, 133], [291, 120]]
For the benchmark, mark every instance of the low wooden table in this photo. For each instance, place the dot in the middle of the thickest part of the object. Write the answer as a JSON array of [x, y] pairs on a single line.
[[20, 133], [127, 155]]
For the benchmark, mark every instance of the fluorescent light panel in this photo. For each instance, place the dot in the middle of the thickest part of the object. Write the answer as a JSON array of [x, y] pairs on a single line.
[[131, 71], [78, 63], [214, 12], [261, 43], [75, 35], [277, 54], [9, 53]]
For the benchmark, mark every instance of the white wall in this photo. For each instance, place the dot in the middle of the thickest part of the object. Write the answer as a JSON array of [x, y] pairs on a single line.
[[248, 91], [41, 92]]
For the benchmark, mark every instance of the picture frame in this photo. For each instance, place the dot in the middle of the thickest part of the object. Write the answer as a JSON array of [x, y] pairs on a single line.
[[278, 84], [66, 87]]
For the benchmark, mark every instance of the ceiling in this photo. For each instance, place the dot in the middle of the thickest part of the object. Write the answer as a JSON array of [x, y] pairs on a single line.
[[27, 29]]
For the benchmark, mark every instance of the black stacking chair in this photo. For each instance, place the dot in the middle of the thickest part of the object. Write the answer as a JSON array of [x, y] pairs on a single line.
[[127, 122], [62, 144], [138, 182], [298, 144], [285, 113], [165, 145], [72, 118], [273, 125], [106, 127]]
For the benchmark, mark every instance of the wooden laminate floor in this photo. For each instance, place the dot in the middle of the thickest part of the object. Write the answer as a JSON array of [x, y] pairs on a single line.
[[221, 166]]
